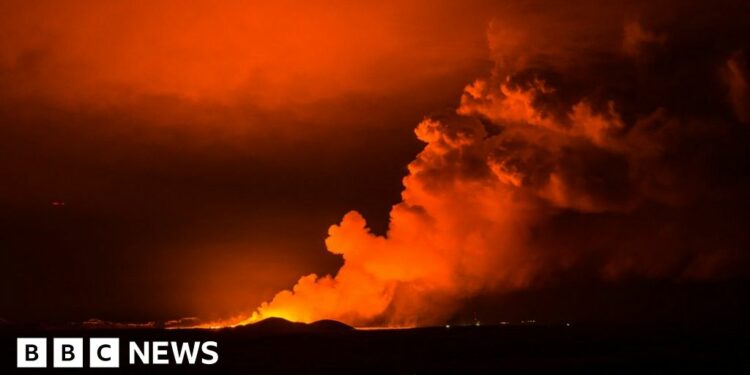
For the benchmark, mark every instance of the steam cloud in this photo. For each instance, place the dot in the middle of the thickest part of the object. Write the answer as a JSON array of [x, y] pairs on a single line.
[[619, 151]]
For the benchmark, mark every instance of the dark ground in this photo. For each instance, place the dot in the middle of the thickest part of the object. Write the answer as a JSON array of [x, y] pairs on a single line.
[[281, 347]]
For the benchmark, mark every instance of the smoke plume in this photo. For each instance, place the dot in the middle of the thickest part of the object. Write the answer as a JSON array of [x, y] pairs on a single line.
[[614, 144]]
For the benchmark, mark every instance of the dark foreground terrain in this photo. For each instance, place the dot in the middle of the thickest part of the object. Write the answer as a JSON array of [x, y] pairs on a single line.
[[277, 346]]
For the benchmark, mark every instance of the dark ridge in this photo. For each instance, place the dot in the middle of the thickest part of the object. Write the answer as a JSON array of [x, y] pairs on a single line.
[[282, 326], [329, 325], [273, 325]]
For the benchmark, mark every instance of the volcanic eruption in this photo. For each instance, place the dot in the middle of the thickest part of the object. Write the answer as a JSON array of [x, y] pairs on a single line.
[[620, 153]]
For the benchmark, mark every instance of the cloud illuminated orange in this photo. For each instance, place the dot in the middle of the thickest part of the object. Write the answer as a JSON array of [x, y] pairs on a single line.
[[539, 139]]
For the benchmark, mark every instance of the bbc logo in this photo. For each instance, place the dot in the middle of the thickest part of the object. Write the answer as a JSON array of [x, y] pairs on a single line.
[[67, 352]]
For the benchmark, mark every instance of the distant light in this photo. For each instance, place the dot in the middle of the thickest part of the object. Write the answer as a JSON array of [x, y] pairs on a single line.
[[477, 324], [58, 203], [567, 324], [447, 326]]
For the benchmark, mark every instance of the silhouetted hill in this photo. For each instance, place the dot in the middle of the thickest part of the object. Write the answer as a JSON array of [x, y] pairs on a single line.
[[283, 326], [329, 325]]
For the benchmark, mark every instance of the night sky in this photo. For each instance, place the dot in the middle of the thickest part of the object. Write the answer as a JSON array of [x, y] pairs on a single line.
[[161, 161]]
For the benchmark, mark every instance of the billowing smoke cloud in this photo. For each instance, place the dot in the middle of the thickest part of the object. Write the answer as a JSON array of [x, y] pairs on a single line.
[[614, 144]]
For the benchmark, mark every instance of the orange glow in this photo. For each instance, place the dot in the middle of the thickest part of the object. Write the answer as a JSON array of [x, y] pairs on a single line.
[[211, 140], [269, 54], [475, 195], [439, 247]]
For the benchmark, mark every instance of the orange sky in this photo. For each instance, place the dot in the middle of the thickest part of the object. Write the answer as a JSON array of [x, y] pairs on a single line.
[[187, 140], [272, 54], [204, 149]]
